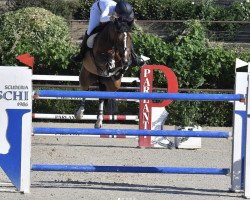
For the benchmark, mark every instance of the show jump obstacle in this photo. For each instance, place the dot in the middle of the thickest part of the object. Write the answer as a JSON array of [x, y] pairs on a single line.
[[75, 79], [152, 115], [16, 128]]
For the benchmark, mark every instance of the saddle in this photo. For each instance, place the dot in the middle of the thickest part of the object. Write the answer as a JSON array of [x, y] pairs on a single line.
[[94, 33], [90, 65]]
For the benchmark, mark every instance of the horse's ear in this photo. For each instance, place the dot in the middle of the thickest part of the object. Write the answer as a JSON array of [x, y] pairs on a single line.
[[123, 24]]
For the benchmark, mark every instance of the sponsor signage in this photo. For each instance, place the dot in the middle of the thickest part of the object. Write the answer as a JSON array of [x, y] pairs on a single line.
[[150, 110], [15, 124]]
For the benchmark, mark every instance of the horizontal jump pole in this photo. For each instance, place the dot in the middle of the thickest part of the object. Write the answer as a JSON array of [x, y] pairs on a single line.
[[74, 78], [130, 132], [130, 169], [131, 88], [139, 95], [79, 98], [85, 117]]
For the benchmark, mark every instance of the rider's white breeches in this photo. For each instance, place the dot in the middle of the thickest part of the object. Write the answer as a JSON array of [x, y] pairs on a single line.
[[94, 19]]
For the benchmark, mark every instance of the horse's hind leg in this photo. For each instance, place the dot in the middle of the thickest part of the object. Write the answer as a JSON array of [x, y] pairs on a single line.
[[110, 104]]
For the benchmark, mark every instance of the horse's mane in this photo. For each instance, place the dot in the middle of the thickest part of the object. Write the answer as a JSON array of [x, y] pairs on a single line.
[[106, 35], [110, 28]]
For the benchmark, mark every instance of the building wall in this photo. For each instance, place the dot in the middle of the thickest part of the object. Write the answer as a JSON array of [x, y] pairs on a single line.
[[163, 29]]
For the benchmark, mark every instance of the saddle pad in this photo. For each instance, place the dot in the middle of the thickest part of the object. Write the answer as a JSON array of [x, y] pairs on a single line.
[[90, 41]]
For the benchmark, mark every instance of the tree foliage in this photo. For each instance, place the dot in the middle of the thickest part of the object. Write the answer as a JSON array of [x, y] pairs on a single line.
[[64, 8], [197, 65], [38, 32], [148, 9]]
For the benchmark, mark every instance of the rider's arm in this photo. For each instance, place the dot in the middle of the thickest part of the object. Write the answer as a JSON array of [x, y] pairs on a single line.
[[105, 15]]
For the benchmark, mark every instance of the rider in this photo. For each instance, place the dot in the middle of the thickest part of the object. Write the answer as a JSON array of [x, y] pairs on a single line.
[[103, 11]]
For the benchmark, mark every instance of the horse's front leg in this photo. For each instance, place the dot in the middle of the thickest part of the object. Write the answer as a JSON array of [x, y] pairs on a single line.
[[85, 80], [98, 123]]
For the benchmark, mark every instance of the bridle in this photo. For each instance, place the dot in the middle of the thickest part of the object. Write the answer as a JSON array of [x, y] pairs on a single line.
[[123, 27], [122, 49]]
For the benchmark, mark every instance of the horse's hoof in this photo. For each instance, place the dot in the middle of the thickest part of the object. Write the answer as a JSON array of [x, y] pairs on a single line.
[[97, 125], [79, 113]]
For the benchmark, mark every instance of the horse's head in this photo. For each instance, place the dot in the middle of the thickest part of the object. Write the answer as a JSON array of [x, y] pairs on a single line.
[[123, 43], [112, 47]]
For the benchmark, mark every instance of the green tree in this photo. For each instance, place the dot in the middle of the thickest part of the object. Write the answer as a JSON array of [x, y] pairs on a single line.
[[40, 33], [64, 8], [196, 64]]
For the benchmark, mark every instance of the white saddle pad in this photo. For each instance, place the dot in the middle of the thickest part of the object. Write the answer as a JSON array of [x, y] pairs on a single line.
[[90, 41]]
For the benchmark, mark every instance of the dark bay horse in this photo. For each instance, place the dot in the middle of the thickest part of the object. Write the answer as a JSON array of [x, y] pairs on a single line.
[[106, 63]]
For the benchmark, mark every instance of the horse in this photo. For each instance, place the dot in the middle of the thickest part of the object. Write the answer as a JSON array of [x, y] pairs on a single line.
[[106, 62]]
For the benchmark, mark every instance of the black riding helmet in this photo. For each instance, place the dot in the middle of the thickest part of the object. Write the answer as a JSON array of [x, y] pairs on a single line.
[[124, 10]]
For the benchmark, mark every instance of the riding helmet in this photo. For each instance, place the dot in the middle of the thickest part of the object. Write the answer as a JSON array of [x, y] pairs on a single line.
[[125, 10]]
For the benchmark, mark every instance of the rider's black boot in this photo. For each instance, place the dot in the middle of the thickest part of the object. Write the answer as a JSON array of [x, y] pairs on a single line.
[[79, 57]]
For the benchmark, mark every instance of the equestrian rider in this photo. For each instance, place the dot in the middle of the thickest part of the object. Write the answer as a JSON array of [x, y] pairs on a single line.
[[103, 11]]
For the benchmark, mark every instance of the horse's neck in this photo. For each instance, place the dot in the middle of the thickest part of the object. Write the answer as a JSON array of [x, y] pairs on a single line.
[[106, 38]]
